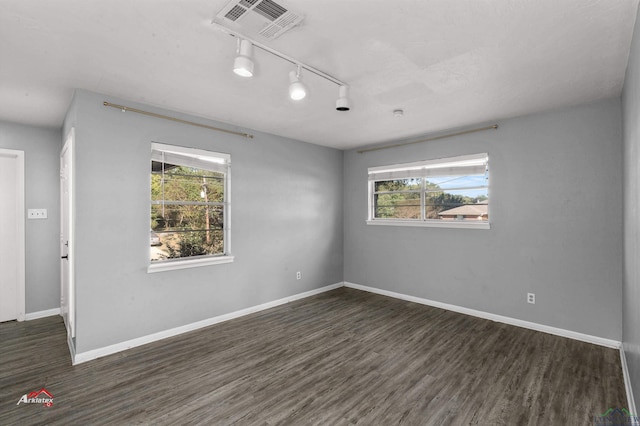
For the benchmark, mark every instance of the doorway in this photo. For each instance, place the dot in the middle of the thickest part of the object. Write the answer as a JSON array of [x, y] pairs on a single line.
[[12, 236], [67, 257]]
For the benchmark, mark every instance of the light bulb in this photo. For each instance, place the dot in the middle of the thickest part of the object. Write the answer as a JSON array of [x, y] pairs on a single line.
[[243, 64], [297, 89]]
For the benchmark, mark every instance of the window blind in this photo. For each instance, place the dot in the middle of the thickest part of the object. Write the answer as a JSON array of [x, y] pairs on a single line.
[[463, 165], [190, 157]]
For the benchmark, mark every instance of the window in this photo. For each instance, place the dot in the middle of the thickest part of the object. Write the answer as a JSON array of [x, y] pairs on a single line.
[[447, 192], [189, 207]]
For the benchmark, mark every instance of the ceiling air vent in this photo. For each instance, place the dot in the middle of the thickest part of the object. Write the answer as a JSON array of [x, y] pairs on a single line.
[[235, 13], [258, 17]]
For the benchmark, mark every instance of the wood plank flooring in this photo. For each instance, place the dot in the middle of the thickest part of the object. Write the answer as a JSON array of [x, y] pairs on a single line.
[[339, 358]]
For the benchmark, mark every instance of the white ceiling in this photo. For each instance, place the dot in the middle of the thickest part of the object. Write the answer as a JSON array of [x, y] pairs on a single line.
[[446, 63]]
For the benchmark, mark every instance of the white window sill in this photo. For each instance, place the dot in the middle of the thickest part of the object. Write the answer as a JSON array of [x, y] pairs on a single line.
[[171, 265], [432, 223]]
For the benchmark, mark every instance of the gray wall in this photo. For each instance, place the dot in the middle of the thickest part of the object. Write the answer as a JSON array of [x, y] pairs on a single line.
[[631, 286], [556, 224], [560, 238], [42, 153], [286, 217]]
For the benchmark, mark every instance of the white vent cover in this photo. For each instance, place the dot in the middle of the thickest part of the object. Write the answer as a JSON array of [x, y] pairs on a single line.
[[262, 17]]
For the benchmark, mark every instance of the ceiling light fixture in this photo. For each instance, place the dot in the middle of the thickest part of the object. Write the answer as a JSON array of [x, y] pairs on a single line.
[[243, 64], [297, 89], [342, 104]]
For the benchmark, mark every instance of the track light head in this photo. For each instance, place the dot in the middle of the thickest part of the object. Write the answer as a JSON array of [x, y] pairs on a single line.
[[342, 104], [243, 64], [297, 89]]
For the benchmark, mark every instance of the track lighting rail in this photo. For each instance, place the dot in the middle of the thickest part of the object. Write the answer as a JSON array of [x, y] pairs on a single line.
[[281, 55]]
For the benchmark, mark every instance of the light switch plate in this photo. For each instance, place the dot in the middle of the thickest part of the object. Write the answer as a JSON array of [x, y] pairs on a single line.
[[37, 214]]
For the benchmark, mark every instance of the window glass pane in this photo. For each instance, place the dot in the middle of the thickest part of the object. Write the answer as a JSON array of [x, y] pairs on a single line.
[[170, 169], [213, 189], [453, 182], [457, 197], [183, 231], [172, 217], [397, 185], [457, 204], [187, 184], [175, 245], [397, 206], [397, 212]]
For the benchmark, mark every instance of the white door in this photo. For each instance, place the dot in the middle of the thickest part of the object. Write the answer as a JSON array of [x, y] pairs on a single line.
[[12, 252], [67, 290]]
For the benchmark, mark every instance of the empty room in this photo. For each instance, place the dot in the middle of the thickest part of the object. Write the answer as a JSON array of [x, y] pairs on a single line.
[[279, 212]]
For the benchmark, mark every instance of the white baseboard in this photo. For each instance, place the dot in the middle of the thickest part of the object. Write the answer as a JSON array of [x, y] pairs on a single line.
[[78, 358], [42, 314], [631, 403], [119, 347], [493, 317]]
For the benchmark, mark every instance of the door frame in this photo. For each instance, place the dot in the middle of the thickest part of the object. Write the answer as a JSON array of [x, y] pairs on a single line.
[[69, 145], [20, 227]]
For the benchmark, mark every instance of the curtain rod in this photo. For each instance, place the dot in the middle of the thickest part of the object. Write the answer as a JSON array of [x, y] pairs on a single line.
[[178, 120], [463, 132]]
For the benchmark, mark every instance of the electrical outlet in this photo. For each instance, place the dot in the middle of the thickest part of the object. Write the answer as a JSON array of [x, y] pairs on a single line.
[[298, 275], [531, 298], [37, 214]]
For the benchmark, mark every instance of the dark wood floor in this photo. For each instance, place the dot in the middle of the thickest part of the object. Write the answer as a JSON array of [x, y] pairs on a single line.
[[339, 358]]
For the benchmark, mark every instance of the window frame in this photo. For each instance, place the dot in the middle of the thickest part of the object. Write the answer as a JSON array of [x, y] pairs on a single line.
[[225, 169], [420, 169]]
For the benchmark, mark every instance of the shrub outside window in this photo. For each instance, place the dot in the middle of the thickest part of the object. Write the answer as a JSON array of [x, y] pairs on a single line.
[[445, 192], [189, 207]]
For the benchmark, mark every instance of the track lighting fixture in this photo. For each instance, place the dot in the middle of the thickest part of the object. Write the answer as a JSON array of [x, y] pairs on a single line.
[[342, 104], [243, 64], [297, 89]]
